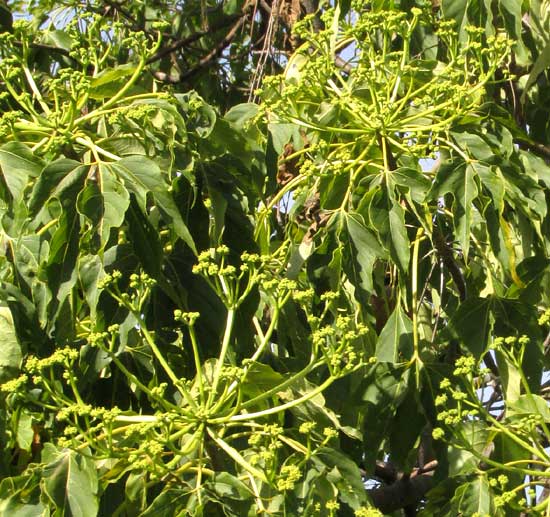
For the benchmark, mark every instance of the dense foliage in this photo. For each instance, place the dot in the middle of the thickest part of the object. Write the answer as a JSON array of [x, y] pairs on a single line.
[[274, 258]]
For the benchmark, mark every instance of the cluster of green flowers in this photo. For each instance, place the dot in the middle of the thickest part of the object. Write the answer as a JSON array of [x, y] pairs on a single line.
[[370, 22], [109, 279], [265, 271], [544, 318], [144, 457], [338, 341], [332, 506], [9, 68], [464, 365], [141, 281], [505, 497], [138, 113], [86, 410], [70, 80], [62, 356], [266, 443], [140, 286], [306, 428], [288, 477], [7, 120], [368, 512], [14, 385], [210, 263], [187, 318], [462, 409]]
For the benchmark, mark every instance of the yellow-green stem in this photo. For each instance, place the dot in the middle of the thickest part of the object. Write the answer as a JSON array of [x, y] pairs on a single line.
[[230, 321]]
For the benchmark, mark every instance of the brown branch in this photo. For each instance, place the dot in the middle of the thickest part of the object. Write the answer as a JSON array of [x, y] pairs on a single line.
[[490, 363], [546, 343], [386, 472], [537, 147], [402, 493], [166, 51], [216, 51], [401, 490], [446, 255]]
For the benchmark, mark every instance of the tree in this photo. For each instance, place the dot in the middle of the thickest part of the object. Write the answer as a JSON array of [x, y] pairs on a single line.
[[225, 299]]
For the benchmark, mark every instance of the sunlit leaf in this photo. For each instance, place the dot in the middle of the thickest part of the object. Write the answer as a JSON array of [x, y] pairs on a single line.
[[70, 481]]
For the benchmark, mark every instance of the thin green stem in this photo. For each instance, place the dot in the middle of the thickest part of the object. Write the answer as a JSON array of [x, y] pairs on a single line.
[[236, 456], [165, 366], [285, 384], [230, 321], [115, 98], [96, 149], [288, 405], [198, 364]]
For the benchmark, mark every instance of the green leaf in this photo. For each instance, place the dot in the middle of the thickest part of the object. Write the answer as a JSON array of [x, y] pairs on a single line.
[[332, 190], [282, 134], [299, 255], [461, 460], [241, 113], [168, 502], [25, 432], [474, 497], [58, 38], [378, 396], [226, 485], [472, 322], [25, 318], [395, 341], [493, 181], [136, 491], [510, 378], [104, 201], [512, 15], [529, 404], [142, 176], [166, 203], [10, 351], [363, 250], [201, 117], [109, 81], [400, 241], [20, 495], [64, 250], [70, 481], [18, 164], [30, 252], [344, 474], [144, 239], [90, 271], [261, 377], [459, 181], [56, 178], [115, 200], [475, 145], [416, 183], [407, 426]]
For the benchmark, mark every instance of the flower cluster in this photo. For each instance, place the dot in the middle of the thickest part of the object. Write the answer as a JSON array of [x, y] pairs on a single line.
[[138, 113], [368, 512], [288, 477], [14, 385], [62, 356], [339, 343], [544, 318]]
